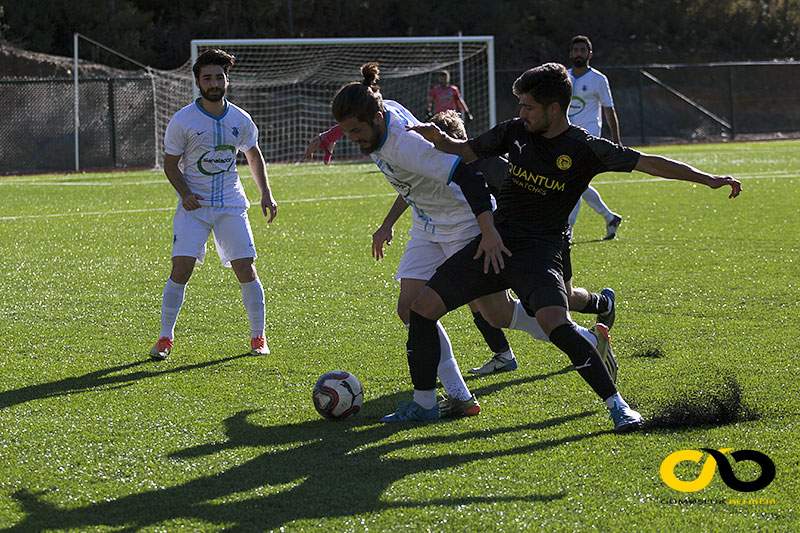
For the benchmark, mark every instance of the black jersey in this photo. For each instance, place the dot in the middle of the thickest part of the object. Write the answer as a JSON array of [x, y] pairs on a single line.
[[546, 175], [495, 172]]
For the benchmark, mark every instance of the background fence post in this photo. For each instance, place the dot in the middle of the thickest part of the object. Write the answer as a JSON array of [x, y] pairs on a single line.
[[641, 105], [733, 107], [111, 123]]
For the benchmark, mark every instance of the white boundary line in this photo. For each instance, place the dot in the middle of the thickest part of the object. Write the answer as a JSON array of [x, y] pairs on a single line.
[[763, 175], [124, 211], [770, 174]]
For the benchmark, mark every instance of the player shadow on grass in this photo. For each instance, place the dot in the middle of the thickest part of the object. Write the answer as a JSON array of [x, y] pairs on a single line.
[[114, 377], [311, 471]]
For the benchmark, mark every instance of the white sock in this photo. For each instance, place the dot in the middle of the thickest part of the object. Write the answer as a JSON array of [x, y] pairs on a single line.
[[616, 398], [522, 321], [253, 298], [587, 334], [171, 303], [593, 200], [573, 216], [448, 371], [425, 398]]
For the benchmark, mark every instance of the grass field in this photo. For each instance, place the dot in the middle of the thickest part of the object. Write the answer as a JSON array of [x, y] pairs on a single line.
[[96, 437]]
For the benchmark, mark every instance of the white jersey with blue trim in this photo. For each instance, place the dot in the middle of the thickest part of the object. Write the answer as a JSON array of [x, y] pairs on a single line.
[[208, 146], [590, 93], [423, 175]]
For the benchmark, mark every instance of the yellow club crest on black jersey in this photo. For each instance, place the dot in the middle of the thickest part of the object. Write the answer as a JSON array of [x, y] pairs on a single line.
[[564, 162]]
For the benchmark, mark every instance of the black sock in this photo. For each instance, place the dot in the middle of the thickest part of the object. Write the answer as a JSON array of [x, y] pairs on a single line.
[[423, 351], [494, 337], [585, 357], [598, 303]]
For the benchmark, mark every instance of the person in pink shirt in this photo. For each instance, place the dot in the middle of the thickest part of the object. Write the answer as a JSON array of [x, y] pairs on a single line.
[[445, 96]]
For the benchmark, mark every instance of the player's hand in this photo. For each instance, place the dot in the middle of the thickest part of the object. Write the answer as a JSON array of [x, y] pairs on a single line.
[[381, 235], [470, 118], [191, 201], [720, 181], [316, 143], [269, 207], [429, 131], [492, 248]]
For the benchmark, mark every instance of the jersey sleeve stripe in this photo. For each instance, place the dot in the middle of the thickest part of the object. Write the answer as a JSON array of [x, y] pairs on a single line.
[[453, 170]]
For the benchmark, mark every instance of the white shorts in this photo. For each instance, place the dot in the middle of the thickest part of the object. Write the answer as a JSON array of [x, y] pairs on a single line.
[[232, 234], [422, 257]]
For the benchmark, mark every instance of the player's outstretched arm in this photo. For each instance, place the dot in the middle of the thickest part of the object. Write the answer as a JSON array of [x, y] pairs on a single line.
[[323, 141], [613, 124], [189, 200], [255, 160], [385, 233], [480, 202], [491, 246], [663, 167], [464, 106], [443, 142]]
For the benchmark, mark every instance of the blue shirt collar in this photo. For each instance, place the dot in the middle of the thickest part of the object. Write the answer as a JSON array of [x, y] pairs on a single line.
[[227, 107]]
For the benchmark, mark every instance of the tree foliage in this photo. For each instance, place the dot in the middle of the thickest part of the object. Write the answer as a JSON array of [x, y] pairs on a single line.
[[157, 32]]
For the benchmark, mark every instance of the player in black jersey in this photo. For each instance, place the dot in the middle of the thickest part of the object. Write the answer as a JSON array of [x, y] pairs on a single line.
[[550, 165]]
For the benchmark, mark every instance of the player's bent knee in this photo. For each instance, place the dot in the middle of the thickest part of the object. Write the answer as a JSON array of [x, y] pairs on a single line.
[[404, 311], [429, 304], [182, 267], [244, 269], [551, 317], [494, 320]]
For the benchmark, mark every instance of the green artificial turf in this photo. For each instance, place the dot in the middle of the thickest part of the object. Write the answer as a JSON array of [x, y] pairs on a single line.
[[97, 437]]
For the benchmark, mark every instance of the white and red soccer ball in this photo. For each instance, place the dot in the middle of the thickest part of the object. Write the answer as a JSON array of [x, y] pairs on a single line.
[[338, 395]]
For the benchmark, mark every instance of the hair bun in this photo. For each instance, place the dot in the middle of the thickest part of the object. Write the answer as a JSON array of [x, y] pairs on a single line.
[[371, 73]]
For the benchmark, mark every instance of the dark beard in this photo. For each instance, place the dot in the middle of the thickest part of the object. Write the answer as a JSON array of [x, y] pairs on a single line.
[[216, 97], [579, 62], [374, 141]]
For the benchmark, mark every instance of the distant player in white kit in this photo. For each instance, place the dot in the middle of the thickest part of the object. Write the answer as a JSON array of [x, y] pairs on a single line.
[[591, 94], [201, 143]]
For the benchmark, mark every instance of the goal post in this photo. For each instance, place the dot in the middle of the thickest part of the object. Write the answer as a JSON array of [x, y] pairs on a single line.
[[287, 84]]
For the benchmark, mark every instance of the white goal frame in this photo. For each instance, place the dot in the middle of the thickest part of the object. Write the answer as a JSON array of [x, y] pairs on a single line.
[[197, 44], [256, 79]]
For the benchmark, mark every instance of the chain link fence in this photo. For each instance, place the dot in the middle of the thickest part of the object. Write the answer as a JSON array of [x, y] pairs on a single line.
[[655, 104], [117, 126], [658, 104]]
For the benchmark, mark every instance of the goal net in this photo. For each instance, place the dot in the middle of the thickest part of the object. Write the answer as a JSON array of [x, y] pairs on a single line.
[[287, 84]]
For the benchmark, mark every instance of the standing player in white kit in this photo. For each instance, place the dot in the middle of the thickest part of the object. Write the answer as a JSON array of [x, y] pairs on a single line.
[[591, 93], [201, 143]]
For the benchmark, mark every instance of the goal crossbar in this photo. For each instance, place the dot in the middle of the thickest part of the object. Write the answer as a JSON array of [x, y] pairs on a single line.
[[287, 84]]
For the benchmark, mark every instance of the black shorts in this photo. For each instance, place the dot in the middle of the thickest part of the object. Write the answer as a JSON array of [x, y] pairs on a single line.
[[534, 272], [567, 261]]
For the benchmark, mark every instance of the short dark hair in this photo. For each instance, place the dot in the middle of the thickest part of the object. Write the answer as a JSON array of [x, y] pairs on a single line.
[[546, 83], [449, 121], [213, 56], [359, 99], [581, 39]]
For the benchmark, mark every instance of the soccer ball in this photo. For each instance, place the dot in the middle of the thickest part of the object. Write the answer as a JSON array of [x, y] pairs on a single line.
[[337, 395]]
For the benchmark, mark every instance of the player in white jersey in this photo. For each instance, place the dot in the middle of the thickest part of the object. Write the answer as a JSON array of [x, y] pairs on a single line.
[[591, 100], [421, 258], [201, 143], [431, 183], [436, 188]]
